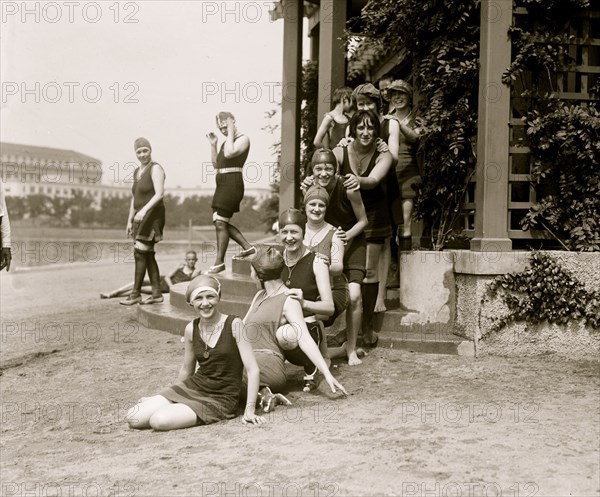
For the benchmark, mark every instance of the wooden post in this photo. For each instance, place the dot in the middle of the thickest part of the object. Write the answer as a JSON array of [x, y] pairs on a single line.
[[332, 56], [290, 104], [491, 192]]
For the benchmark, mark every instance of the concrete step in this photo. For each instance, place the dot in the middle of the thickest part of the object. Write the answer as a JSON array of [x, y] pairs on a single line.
[[427, 339]]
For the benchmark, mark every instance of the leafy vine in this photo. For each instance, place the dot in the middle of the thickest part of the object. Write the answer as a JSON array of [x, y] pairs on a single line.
[[545, 292]]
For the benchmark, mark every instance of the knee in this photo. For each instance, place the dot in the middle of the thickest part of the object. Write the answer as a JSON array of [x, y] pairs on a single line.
[[220, 225], [355, 297], [372, 274], [160, 422], [133, 419]]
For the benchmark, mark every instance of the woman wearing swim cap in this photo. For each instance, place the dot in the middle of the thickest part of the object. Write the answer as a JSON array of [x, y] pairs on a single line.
[[307, 275], [218, 345], [146, 222], [228, 162], [275, 324], [346, 211]]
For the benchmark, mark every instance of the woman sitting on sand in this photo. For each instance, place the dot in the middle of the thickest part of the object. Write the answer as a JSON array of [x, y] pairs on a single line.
[[275, 325], [209, 393]]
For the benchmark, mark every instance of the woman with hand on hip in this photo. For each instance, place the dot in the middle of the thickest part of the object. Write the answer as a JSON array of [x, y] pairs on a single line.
[[228, 162], [146, 222]]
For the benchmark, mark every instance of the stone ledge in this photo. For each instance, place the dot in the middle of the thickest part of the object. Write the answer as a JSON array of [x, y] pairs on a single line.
[[489, 263]]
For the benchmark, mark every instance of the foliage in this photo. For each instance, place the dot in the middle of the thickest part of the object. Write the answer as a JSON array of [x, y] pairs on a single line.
[[442, 41], [269, 210], [309, 117], [565, 145], [546, 292], [564, 139], [17, 207]]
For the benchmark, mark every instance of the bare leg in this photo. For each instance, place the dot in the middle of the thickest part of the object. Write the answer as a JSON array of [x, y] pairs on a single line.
[[353, 322], [222, 229], [173, 417], [369, 290], [139, 415], [237, 236], [122, 291], [407, 209], [384, 266]]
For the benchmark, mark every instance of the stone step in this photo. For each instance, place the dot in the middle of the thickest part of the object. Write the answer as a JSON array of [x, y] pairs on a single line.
[[415, 338]]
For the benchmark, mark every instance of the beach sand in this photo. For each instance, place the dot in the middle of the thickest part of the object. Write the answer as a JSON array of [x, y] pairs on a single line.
[[413, 425]]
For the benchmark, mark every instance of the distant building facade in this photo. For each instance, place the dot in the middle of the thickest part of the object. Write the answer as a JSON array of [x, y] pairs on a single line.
[[30, 170]]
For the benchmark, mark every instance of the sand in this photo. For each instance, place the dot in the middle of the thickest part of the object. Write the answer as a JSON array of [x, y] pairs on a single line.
[[413, 425]]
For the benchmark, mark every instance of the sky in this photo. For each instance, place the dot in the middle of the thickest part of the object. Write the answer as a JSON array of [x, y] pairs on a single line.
[[93, 76]]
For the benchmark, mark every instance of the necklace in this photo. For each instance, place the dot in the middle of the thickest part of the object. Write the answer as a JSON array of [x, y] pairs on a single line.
[[288, 282], [206, 354]]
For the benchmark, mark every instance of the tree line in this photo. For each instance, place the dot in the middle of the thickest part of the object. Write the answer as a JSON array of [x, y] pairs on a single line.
[[79, 211]]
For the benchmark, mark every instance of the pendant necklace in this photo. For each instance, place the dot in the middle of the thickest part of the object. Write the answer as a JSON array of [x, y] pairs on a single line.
[[288, 282]]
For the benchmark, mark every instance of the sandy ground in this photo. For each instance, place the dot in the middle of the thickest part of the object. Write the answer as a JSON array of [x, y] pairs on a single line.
[[414, 425]]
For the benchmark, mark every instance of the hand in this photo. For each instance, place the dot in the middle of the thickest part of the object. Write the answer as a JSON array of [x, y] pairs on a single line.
[[333, 383], [139, 216], [381, 146], [307, 183], [5, 258], [351, 182], [297, 294], [341, 234], [253, 419], [230, 124], [344, 142], [212, 138]]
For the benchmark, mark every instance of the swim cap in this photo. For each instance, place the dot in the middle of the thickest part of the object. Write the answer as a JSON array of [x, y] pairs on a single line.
[[222, 117], [268, 263], [141, 143], [323, 156], [316, 191], [401, 86], [202, 283], [292, 216], [367, 90]]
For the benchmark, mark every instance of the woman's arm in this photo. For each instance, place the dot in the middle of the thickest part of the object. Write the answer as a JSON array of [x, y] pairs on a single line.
[[234, 147], [394, 139], [247, 355], [359, 211], [379, 172], [188, 368], [336, 264], [293, 314], [323, 307], [130, 217], [412, 135], [158, 180], [321, 139]]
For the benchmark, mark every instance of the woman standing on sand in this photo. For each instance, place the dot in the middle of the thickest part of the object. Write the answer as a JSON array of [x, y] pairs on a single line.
[[146, 222]]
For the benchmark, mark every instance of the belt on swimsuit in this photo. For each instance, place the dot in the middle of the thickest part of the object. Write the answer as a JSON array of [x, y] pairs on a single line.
[[224, 170], [272, 352]]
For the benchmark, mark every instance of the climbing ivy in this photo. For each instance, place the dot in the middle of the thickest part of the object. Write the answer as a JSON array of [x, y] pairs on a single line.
[[545, 292]]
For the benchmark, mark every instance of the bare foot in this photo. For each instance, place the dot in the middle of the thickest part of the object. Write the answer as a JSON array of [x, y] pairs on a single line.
[[353, 359], [380, 306]]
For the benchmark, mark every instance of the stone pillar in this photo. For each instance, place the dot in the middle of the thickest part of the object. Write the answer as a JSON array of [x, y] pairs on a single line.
[[290, 104], [491, 193], [332, 60]]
